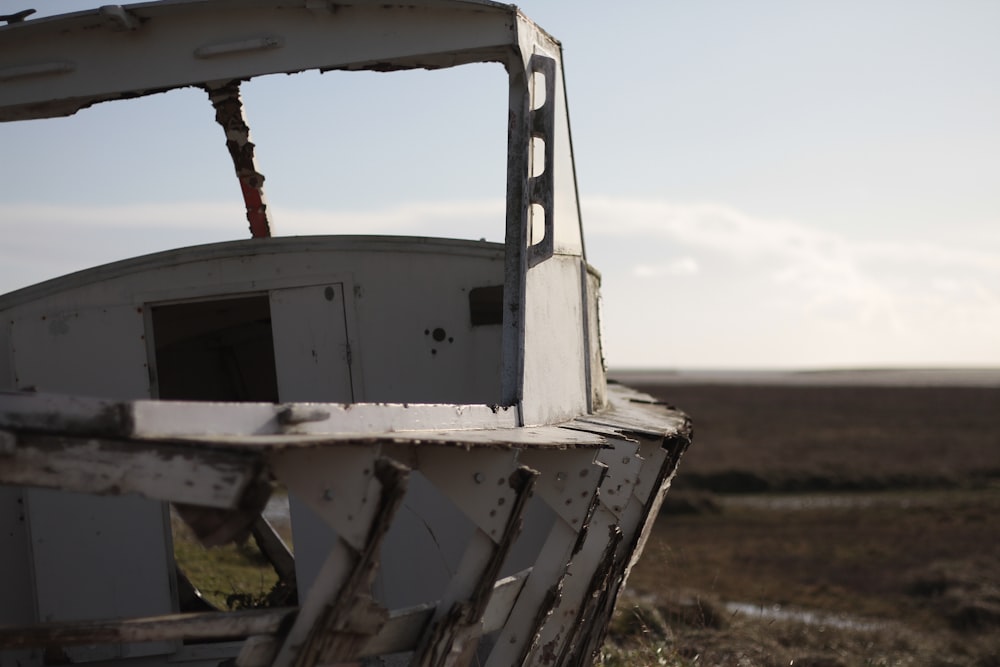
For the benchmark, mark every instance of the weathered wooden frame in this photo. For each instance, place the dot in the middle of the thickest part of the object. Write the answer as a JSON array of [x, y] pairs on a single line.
[[85, 444]]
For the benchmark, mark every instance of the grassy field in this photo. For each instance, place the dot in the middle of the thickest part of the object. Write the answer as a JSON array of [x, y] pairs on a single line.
[[824, 526]]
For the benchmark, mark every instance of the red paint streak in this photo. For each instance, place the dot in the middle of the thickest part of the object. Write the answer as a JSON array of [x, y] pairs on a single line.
[[256, 211]]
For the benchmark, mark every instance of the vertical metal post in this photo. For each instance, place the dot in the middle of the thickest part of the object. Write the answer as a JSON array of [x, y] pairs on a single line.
[[516, 238]]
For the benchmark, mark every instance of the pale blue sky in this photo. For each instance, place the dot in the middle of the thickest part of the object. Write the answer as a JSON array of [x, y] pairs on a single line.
[[765, 184]]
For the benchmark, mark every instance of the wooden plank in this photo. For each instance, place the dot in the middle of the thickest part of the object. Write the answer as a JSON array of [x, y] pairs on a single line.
[[458, 624], [401, 632], [548, 437], [157, 470], [61, 413], [275, 550], [635, 412], [405, 627], [155, 419], [150, 419], [255, 427], [207, 625], [338, 614]]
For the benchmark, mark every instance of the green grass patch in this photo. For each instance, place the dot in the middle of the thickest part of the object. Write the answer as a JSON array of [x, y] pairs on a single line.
[[233, 576]]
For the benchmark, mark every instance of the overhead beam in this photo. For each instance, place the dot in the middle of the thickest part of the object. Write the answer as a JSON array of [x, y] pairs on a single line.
[[54, 67]]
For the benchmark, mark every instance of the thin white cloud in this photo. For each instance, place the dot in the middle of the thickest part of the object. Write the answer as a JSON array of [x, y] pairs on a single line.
[[49, 240], [730, 231], [757, 291], [230, 217], [681, 266], [460, 219], [174, 215], [824, 273]]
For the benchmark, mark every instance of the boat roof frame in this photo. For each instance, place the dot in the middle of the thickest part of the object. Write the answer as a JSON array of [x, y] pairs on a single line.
[[58, 65]]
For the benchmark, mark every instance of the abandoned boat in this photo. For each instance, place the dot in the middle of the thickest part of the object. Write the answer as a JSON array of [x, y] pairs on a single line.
[[465, 486]]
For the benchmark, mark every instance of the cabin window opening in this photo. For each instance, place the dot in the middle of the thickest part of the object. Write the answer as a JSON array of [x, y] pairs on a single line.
[[486, 305], [538, 90], [222, 350], [166, 181], [419, 153], [219, 350], [536, 224], [234, 576], [538, 165]]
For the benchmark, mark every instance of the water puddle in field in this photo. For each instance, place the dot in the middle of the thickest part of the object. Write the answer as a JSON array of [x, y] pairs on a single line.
[[822, 619], [830, 501]]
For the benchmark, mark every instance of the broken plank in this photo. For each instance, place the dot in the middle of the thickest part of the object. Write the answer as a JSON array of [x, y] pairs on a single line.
[[157, 470], [207, 625]]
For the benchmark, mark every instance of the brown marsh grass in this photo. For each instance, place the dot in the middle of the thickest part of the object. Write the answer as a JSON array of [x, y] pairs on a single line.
[[862, 522]]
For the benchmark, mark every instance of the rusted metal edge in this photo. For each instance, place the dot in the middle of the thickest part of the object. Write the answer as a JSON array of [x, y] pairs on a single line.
[[554, 594], [608, 572], [604, 604], [353, 616], [452, 640], [597, 602], [595, 595], [522, 481], [552, 597], [595, 501]]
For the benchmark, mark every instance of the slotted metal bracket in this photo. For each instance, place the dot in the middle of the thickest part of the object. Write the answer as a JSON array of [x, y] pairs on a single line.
[[541, 186]]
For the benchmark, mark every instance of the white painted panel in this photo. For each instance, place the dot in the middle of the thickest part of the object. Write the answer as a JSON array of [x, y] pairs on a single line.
[[397, 288], [311, 348], [596, 367], [423, 548], [311, 361], [569, 235], [94, 557], [17, 603], [313, 539], [417, 341], [99, 557], [95, 351], [555, 385]]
